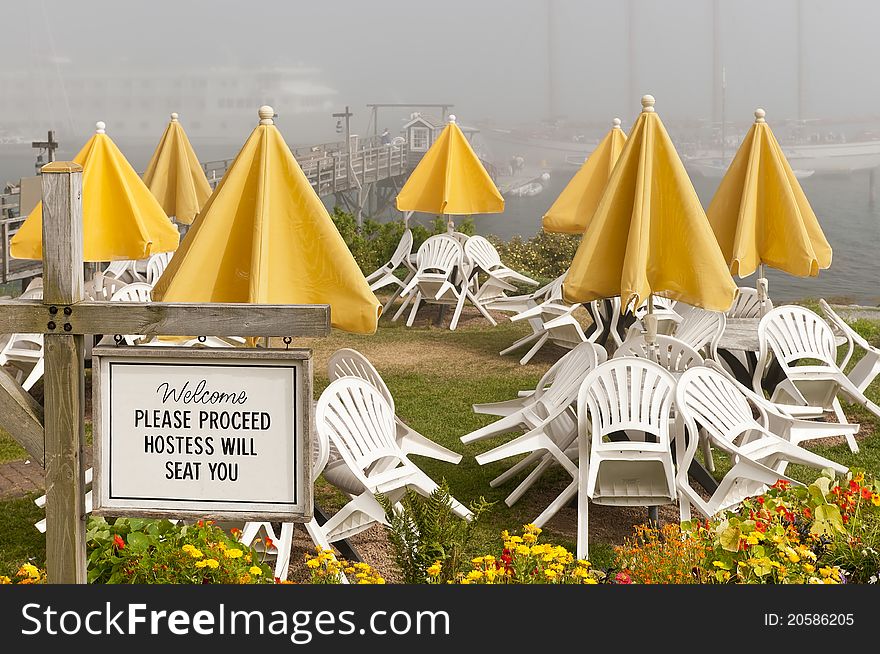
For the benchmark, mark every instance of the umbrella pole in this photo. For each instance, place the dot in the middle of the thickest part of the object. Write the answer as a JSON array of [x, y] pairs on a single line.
[[450, 224], [651, 325], [762, 287]]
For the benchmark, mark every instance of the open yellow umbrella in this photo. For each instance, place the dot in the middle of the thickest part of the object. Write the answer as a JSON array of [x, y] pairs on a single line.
[[175, 176], [760, 214], [121, 218], [450, 179], [649, 233], [265, 237], [573, 209]]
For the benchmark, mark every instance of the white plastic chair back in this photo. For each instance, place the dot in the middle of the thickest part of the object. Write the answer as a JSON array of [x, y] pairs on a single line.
[[439, 254], [700, 328], [851, 335], [567, 378], [627, 394], [747, 305], [482, 253], [358, 421], [156, 265], [708, 398], [793, 333], [351, 363], [669, 352], [403, 250], [136, 292], [35, 293]]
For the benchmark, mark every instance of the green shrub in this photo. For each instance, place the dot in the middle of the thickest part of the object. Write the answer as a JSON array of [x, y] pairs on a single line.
[[543, 256], [425, 533], [135, 551]]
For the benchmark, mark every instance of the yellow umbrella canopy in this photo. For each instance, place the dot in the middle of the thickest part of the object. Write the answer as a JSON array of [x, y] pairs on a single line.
[[450, 179], [572, 210], [175, 176], [760, 214], [265, 237], [121, 218], [649, 233]]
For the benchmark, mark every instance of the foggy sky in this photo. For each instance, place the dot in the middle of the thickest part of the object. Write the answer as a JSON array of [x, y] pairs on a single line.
[[488, 57]]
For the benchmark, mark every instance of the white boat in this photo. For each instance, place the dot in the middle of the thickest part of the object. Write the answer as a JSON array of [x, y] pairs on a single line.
[[714, 168], [526, 190]]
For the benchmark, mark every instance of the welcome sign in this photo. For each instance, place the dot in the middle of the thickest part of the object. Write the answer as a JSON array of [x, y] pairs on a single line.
[[220, 433]]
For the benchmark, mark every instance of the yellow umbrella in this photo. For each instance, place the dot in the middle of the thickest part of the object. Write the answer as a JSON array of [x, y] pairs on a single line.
[[175, 176], [572, 210], [265, 237], [760, 214], [649, 233], [121, 218], [450, 179]]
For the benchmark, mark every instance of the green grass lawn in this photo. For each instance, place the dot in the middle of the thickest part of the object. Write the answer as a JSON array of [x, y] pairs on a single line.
[[435, 376]]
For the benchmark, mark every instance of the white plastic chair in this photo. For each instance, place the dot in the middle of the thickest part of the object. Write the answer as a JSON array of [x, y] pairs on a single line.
[[746, 304], [440, 263], [672, 354], [156, 265], [384, 274], [707, 399], [867, 368], [792, 333], [22, 355], [795, 428], [354, 418], [702, 329], [124, 270], [519, 303], [549, 423], [624, 395], [484, 255], [552, 321], [351, 363]]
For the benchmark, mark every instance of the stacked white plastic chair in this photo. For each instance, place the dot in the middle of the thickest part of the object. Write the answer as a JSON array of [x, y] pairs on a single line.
[[22, 354], [547, 417], [156, 265], [634, 396], [672, 354], [867, 368], [747, 304], [701, 329], [351, 363], [384, 274], [484, 258], [709, 400], [791, 334], [355, 419]]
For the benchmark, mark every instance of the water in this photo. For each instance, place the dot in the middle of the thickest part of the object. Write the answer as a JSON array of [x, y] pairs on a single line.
[[842, 204]]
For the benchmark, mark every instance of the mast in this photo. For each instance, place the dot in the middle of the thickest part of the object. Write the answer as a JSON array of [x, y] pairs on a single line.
[[800, 59], [723, 115], [716, 60], [631, 50], [551, 85]]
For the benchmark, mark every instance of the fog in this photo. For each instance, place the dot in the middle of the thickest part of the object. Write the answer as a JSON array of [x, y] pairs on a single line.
[[508, 60]]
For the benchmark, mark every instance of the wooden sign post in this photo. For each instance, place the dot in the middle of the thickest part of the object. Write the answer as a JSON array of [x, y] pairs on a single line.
[[63, 317]]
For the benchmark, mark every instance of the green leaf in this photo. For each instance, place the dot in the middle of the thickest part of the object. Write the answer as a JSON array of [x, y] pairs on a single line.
[[139, 541], [827, 520], [729, 539]]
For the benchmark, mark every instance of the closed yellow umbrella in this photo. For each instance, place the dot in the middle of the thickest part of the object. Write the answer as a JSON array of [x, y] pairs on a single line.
[[265, 237], [450, 179], [573, 209], [649, 233], [760, 214], [121, 218], [175, 176]]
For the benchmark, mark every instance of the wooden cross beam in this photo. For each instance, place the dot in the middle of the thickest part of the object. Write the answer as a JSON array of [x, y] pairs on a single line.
[[63, 317]]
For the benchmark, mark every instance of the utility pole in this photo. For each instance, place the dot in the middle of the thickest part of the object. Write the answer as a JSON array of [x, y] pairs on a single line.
[[349, 169], [50, 145]]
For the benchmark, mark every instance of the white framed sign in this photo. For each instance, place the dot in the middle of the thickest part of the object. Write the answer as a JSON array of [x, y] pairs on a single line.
[[202, 433]]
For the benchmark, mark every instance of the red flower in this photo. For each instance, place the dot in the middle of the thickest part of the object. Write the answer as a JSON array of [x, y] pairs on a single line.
[[200, 523], [269, 543], [807, 513], [866, 493], [117, 540], [782, 484], [853, 486], [622, 578], [761, 499], [760, 526]]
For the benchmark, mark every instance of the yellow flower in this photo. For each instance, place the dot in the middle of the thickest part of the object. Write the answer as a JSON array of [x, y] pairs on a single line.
[[4, 580], [314, 563], [477, 560], [201, 564], [195, 553], [186, 548], [826, 571], [30, 570], [590, 580], [465, 581], [809, 568], [875, 499], [433, 570], [523, 550], [529, 538], [550, 574], [255, 571], [792, 555], [212, 563], [233, 553], [474, 575], [490, 575]]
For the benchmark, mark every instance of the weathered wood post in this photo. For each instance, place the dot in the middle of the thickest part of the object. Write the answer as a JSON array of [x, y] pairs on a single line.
[[64, 381]]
